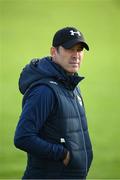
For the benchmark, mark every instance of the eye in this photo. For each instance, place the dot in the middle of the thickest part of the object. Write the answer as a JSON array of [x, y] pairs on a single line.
[[80, 49], [71, 49]]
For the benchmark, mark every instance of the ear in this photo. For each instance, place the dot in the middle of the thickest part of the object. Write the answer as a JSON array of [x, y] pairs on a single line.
[[53, 51]]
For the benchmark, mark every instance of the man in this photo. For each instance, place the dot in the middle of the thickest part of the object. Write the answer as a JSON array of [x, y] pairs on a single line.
[[52, 128]]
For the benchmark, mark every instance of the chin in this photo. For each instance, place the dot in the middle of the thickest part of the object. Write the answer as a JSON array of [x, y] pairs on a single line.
[[72, 72]]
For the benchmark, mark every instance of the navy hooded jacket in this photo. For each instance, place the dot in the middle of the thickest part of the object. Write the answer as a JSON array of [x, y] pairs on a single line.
[[49, 115]]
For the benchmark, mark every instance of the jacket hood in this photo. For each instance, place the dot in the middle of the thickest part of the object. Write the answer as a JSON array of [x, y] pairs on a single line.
[[45, 68]]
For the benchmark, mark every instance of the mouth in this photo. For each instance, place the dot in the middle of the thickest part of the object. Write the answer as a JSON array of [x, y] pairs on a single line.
[[74, 63]]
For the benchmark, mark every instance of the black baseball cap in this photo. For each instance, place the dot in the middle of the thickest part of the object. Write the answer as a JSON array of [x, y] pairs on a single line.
[[68, 37]]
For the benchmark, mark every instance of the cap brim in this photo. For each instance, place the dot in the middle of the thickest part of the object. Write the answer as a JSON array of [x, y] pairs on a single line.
[[73, 42]]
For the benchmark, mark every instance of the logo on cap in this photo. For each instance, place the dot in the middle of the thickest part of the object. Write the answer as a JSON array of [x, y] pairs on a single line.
[[73, 33]]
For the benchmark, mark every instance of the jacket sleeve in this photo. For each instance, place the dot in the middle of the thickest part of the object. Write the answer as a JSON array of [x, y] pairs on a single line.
[[38, 105]]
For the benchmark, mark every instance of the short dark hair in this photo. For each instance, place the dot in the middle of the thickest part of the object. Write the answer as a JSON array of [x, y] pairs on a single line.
[[57, 48]]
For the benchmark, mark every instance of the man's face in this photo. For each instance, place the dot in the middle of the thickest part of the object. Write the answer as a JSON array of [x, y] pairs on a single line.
[[69, 59]]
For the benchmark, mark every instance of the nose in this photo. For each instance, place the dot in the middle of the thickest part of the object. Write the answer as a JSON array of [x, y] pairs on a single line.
[[76, 54]]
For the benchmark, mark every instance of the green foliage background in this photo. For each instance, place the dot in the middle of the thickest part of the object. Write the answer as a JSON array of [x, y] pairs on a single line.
[[26, 31]]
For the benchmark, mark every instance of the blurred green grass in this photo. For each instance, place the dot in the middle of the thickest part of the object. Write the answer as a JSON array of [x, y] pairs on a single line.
[[26, 30]]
